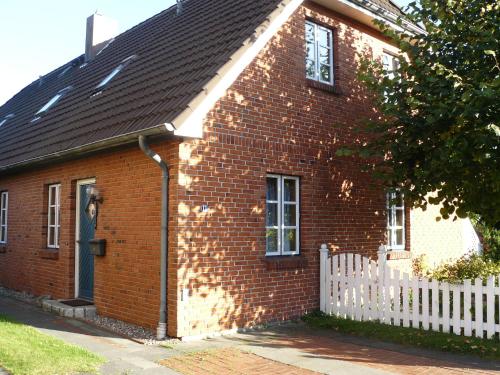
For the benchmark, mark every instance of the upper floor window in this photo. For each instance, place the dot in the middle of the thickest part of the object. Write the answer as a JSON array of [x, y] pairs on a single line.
[[282, 215], [4, 207], [53, 101], [319, 53], [6, 118], [54, 223], [395, 221], [113, 74], [390, 63]]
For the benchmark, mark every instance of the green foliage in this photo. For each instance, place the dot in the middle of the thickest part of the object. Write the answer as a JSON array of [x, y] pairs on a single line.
[[440, 126], [490, 238], [466, 267], [407, 336]]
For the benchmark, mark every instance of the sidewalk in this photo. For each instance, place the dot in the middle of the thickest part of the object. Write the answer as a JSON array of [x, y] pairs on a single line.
[[124, 356], [289, 349]]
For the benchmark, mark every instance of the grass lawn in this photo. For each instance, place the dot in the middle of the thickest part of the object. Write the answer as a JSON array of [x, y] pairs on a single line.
[[489, 349], [24, 350]]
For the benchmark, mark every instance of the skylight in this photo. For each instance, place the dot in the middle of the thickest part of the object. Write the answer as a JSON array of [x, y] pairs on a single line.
[[6, 118], [53, 101], [114, 73]]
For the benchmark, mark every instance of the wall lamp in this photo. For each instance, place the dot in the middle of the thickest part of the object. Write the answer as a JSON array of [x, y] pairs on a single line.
[[95, 199]]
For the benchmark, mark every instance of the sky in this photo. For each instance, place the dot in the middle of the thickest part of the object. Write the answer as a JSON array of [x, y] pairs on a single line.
[[37, 36]]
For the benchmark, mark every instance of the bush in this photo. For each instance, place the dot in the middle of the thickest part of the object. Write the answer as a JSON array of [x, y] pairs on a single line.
[[490, 237], [466, 267]]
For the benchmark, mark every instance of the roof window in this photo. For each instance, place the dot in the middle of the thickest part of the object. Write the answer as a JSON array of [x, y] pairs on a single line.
[[6, 118], [53, 101], [113, 74]]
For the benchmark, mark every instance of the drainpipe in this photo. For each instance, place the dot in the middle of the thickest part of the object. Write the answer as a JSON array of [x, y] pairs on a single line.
[[162, 324]]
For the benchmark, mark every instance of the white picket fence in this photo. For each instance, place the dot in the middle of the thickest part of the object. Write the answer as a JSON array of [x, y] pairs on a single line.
[[358, 288]]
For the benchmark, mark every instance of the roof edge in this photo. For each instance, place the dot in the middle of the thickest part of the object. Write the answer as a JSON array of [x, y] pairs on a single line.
[[107, 143]]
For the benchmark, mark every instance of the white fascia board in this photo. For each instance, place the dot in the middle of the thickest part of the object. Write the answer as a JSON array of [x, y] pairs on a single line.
[[190, 122]]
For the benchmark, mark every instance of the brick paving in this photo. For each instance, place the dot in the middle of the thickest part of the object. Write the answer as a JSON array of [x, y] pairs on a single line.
[[230, 361], [382, 359]]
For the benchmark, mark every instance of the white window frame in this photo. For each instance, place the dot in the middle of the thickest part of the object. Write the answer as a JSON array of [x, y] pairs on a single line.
[[281, 213], [4, 212], [392, 64], [57, 223], [317, 64], [392, 228]]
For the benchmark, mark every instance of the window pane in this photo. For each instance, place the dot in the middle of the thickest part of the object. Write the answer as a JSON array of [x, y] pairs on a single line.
[[272, 189], [52, 216], [325, 38], [399, 237], [289, 240], [324, 73], [290, 215], [272, 214], [51, 236], [3, 214], [309, 33], [2, 234], [324, 56], [310, 69], [289, 190], [399, 218], [310, 52], [4, 200], [271, 240]]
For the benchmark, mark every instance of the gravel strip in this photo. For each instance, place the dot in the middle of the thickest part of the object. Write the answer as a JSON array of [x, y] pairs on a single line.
[[137, 333], [22, 296]]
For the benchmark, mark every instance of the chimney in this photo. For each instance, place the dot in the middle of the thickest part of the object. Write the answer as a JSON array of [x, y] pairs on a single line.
[[100, 30], [179, 7]]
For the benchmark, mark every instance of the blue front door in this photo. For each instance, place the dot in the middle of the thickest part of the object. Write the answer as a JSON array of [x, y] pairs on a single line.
[[87, 232]]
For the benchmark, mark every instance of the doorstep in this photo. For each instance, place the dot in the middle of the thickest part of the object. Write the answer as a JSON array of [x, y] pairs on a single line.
[[61, 309]]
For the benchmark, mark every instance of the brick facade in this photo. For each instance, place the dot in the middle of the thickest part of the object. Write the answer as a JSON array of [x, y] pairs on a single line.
[[272, 120]]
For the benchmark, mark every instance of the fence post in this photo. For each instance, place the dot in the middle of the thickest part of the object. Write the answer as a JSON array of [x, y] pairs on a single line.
[[382, 298], [323, 274]]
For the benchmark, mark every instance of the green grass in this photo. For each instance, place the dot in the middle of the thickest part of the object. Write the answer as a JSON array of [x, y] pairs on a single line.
[[489, 349], [24, 350]]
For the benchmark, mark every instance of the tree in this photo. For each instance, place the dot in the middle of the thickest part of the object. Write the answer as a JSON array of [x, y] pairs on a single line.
[[439, 126]]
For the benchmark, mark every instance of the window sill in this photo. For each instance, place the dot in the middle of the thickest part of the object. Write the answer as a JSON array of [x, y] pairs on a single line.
[[284, 262], [334, 89], [52, 254], [398, 254]]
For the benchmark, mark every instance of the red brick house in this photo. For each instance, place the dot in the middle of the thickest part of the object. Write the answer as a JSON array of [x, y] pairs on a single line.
[[246, 102]]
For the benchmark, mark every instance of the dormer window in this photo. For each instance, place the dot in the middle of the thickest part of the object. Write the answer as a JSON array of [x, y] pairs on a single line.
[[6, 118], [53, 101], [113, 74]]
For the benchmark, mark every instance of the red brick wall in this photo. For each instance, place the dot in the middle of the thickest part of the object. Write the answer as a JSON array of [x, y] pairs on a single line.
[[127, 278], [272, 121]]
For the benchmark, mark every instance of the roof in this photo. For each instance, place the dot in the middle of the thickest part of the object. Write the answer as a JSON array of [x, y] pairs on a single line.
[[177, 56]]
